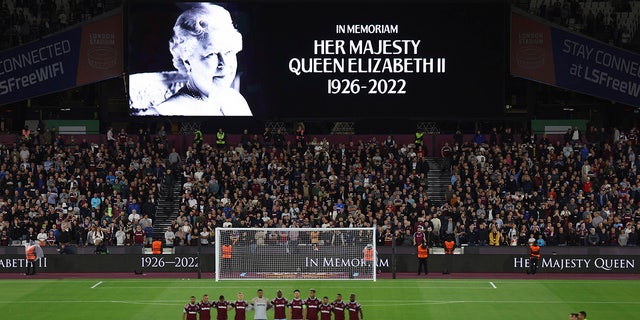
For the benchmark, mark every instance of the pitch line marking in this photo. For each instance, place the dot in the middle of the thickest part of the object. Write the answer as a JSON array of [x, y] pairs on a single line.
[[95, 285]]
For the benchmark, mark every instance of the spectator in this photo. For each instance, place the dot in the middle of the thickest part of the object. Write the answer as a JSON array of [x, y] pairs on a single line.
[[540, 242], [134, 216], [483, 235], [278, 139], [111, 139], [174, 158], [42, 237], [495, 237], [120, 237], [267, 138], [593, 239], [472, 235], [623, 238], [169, 237], [148, 235], [139, 236]]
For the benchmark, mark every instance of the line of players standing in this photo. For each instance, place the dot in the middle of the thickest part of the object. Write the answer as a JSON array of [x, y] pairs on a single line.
[[310, 308]]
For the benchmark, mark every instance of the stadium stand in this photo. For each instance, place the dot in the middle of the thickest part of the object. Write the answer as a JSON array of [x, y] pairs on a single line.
[[558, 188], [614, 22], [555, 188], [23, 21]]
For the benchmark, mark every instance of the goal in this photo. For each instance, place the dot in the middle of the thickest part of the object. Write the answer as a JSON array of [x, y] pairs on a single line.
[[295, 253]]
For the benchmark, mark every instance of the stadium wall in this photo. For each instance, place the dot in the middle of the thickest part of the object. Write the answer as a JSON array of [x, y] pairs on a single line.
[[479, 260]]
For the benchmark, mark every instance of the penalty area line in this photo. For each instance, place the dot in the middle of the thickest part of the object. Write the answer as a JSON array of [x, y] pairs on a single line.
[[493, 285], [95, 285]]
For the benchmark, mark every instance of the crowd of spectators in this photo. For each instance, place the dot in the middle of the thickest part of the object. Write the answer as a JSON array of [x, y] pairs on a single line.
[[22, 21], [504, 191], [75, 193], [579, 189], [267, 181], [598, 22], [582, 189]]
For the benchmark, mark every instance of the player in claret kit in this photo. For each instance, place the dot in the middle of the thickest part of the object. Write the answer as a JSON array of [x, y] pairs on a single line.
[[191, 310], [222, 306], [338, 307], [205, 306], [295, 306], [241, 307], [325, 309], [311, 306], [355, 309], [279, 304]]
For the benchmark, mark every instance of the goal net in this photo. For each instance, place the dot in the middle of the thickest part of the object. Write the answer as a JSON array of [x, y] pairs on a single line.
[[295, 253]]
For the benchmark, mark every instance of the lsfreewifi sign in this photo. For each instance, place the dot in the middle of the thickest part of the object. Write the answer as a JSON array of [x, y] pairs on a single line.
[[552, 55], [85, 54]]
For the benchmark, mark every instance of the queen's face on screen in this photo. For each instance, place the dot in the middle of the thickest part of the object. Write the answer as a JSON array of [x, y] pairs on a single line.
[[205, 47], [213, 62]]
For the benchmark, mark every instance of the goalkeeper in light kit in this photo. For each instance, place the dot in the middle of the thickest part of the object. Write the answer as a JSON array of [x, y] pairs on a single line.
[[260, 304]]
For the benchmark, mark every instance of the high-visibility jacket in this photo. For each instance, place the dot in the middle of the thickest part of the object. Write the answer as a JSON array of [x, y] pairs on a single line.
[[220, 138], [156, 247], [368, 254], [31, 253], [423, 252], [198, 138], [419, 137], [449, 247], [226, 251], [534, 251]]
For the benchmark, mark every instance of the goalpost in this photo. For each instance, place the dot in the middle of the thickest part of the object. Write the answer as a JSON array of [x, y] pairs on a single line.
[[295, 253]]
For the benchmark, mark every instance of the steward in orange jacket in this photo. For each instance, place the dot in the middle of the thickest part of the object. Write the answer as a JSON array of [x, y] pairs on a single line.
[[449, 246], [156, 247], [423, 255], [534, 258]]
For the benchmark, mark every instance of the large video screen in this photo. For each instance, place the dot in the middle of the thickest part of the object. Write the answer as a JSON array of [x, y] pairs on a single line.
[[317, 59]]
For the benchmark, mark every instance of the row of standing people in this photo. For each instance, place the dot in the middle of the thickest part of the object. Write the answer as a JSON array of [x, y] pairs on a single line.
[[311, 308]]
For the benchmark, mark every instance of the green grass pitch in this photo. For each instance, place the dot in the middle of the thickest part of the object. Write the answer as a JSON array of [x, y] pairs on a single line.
[[489, 299]]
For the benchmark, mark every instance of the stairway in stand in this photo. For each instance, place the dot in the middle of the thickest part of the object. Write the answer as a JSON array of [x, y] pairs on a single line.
[[166, 211], [438, 180]]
